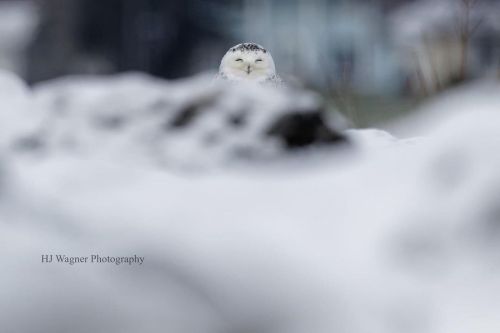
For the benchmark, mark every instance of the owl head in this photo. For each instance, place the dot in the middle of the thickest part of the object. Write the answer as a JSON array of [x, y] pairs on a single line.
[[247, 62]]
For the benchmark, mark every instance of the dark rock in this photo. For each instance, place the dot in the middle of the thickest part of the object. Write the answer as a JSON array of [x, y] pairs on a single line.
[[189, 112], [302, 129], [185, 116]]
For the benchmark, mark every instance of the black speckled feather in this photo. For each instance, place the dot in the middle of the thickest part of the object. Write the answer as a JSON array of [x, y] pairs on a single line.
[[248, 47]]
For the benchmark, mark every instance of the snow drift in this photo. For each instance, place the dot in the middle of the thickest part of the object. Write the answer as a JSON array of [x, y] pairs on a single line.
[[399, 236]]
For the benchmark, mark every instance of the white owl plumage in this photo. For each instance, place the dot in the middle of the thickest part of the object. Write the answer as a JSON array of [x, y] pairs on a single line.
[[249, 62]]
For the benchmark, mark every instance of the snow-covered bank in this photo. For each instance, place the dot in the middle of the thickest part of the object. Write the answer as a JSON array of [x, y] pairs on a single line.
[[476, 100], [399, 237]]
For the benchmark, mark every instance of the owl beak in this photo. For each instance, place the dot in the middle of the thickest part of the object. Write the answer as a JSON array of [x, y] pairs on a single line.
[[248, 69]]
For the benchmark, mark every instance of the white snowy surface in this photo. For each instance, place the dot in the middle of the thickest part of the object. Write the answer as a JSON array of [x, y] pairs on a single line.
[[477, 100], [391, 236]]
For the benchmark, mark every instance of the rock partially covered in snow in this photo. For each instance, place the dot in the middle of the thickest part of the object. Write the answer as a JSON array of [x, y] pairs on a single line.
[[190, 122]]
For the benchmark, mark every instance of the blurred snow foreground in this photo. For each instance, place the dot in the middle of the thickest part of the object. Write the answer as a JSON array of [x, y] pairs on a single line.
[[386, 236]]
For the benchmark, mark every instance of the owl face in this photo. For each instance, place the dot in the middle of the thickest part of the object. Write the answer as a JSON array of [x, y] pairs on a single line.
[[247, 61]]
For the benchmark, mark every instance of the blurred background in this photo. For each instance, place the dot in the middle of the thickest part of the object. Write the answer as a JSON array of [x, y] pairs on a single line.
[[374, 59]]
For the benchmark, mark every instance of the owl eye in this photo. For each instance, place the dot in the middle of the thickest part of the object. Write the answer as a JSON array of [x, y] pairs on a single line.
[[239, 59], [258, 60]]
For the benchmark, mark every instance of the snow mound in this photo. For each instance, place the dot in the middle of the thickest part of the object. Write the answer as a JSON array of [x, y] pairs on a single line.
[[476, 100], [193, 122], [402, 237]]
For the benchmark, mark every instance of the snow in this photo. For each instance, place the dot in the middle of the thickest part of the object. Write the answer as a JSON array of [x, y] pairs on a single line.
[[474, 100], [385, 235]]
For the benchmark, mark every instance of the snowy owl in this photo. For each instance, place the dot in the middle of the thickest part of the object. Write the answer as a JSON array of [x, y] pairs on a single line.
[[249, 62]]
